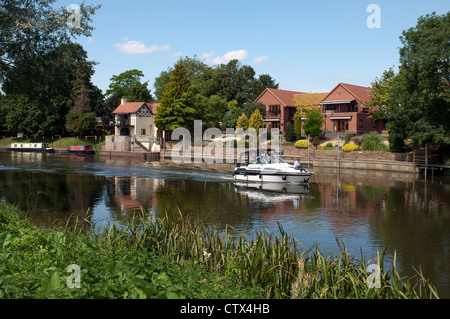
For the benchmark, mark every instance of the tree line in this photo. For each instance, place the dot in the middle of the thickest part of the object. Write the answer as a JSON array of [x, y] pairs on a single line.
[[47, 89]]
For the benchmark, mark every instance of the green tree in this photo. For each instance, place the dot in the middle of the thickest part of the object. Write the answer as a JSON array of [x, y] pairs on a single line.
[[380, 95], [290, 132], [129, 84], [256, 121], [298, 125], [80, 122], [46, 87], [170, 112], [313, 124], [242, 122], [198, 73], [34, 28], [420, 97]]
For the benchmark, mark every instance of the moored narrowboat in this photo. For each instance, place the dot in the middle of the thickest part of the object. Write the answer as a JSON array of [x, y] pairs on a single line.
[[30, 147], [81, 149]]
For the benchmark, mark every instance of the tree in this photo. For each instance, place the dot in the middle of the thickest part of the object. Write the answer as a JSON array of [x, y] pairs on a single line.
[[290, 132], [256, 121], [196, 68], [306, 103], [170, 112], [313, 124], [298, 125], [129, 84], [33, 28], [45, 88], [420, 98], [80, 122], [380, 95], [242, 122]]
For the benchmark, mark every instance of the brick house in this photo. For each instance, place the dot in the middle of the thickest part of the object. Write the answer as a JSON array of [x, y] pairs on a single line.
[[345, 111], [280, 107], [344, 108]]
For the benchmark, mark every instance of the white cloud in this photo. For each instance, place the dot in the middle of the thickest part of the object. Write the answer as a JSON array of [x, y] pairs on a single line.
[[227, 57], [137, 47], [207, 56], [260, 59], [179, 53]]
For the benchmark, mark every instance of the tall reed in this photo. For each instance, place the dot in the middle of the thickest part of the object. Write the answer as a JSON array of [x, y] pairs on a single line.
[[278, 263]]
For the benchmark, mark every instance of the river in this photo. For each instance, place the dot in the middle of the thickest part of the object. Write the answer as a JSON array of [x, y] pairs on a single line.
[[369, 211]]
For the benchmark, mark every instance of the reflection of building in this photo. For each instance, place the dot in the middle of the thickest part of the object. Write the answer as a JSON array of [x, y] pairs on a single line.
[[133, 193]]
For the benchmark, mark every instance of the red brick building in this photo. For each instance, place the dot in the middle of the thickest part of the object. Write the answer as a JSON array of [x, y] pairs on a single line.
[[280, 107], [345, 111], [344, 108]]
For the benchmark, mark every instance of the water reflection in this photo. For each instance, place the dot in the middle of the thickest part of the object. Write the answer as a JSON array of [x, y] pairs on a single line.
[[367, 210]]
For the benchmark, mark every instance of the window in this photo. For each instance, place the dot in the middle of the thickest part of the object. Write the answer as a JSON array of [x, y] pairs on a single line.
[[143, 131], [274, 110]]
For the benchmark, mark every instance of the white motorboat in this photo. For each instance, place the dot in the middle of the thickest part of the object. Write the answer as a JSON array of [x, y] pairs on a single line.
[[269, 168]]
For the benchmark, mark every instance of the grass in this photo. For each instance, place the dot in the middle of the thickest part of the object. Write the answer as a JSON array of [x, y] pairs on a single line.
[[64, 142], [181, 258]]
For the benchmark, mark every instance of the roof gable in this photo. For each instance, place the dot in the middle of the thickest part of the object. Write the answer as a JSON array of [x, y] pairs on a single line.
[[283, 96], [129, 107], [357, 92]]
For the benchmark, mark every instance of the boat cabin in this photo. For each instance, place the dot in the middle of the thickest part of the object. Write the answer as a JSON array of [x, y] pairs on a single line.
[[30, 147]]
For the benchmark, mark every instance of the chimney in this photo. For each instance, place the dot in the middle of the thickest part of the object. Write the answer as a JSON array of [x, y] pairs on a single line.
[[124, 100]]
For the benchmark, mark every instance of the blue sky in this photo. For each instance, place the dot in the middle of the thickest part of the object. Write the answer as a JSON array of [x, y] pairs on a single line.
[[307, 46]]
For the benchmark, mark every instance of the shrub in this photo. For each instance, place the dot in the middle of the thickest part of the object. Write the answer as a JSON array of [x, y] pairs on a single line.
[[350, 147], [328, 146], [302, 144], [373, 142], [290, 133]]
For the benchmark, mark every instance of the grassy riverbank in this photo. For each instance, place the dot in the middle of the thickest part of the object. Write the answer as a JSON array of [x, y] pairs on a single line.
[[162, 258]]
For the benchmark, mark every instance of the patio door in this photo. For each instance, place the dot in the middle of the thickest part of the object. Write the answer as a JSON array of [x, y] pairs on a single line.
[[341, 126]]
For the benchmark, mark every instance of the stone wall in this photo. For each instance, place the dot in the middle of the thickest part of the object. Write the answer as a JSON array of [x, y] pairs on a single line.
[[355, 155]]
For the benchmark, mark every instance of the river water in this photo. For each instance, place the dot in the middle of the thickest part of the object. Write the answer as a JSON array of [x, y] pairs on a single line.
[[368, 211]]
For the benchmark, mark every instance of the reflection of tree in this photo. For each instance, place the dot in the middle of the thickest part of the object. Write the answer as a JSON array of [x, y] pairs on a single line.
[[50, 196], [214, 203]]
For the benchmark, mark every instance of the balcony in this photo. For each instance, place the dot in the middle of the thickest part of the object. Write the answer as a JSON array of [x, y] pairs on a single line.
[[124, 122]]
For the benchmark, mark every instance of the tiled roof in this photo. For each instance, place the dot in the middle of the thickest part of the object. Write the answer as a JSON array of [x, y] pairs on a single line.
[[287, 97], [154, 107], [284, 96], [362, 93], [133, 107], [129, 107]]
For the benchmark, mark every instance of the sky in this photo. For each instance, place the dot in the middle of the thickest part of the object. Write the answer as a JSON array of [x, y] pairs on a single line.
[[307, 46]]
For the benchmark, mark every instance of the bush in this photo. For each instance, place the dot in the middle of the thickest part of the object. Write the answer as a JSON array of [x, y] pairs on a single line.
[[350, 147], [373, 142], [302, 144], [328, 146], [290, 133]]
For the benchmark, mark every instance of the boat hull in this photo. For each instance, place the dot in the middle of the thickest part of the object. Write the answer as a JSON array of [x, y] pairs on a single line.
[[30, 150], [247, 176]]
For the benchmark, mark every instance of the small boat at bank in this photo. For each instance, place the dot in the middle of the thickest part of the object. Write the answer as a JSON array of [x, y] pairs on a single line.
[[262, 167], [81, 149], [30, 147]]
